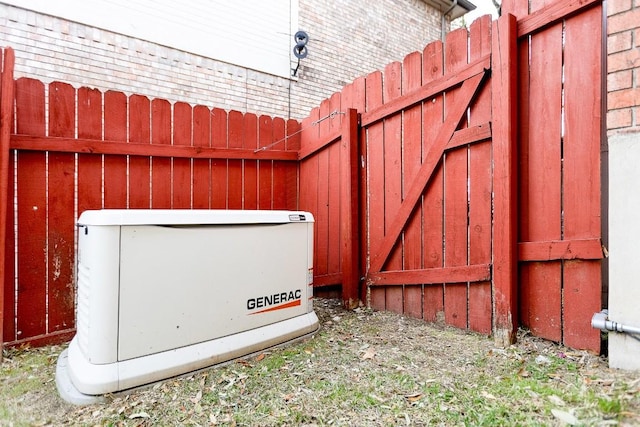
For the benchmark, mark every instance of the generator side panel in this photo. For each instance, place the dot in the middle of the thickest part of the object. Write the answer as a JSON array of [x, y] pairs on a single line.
[[182, 285], [98, 265]]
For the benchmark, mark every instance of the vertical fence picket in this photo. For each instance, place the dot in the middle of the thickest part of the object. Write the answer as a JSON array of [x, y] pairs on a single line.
[[455, 197], [7, 62], [250, 173], [333, 185], [201, 167], [60, 211], [89, 165], [581, 174], [32, 218], [280, 171], [115, 166], [267, 171], [480, 187], [393, 170], [139, 132], [181, 180], [375, 184], [432, 116], [161, 166], [235, 188], [8, 300], [412, 159], [290, 128], [322, 194], [541, 306], [219, 167]]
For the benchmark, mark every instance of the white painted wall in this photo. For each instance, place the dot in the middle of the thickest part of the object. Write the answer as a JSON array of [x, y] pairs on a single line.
[[263, 41], [624, 247]]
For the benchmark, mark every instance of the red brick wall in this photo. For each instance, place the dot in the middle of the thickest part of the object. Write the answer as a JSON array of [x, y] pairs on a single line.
[[623, 70]]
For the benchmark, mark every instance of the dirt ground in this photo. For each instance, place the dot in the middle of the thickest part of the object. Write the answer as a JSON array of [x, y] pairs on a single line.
[[362, 368]]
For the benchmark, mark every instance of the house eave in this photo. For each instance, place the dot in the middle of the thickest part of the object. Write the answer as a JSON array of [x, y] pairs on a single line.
[[452, 8]]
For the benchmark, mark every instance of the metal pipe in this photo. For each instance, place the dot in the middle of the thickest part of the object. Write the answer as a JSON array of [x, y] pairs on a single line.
[[601, 321], [442, 30]]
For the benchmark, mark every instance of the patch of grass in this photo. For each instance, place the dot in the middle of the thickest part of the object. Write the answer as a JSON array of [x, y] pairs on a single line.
[[363, 368]]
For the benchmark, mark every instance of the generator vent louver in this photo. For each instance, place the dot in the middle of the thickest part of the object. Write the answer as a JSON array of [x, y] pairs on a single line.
[[84, 296]]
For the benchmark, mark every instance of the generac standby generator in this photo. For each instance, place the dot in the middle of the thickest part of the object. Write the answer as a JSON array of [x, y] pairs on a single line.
[[165, 292]]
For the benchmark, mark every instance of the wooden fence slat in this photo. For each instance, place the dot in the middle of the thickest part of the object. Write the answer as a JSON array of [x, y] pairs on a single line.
[[182, 174], [322, 193], [411, 160], [201, 167], [219, 167], [7, 62], [392, 89], [60, 212], [8, 301], [235, 185], [250, 179], [139, 132], [268, 173], [480, 187], [375, 184], [455, 194], [161, 167], [32, 209], [334, 184], [115, 167], [292, 131], [89, 165], [433, 300], [279, 169], [581, 174], [541, 191]]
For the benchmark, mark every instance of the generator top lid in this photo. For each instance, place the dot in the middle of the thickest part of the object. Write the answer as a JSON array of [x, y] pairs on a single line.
[[190, 217]]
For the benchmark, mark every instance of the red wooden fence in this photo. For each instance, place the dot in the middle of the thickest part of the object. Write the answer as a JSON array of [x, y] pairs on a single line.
[[559, 132], [461, 184], [479, 177], [73, 150]]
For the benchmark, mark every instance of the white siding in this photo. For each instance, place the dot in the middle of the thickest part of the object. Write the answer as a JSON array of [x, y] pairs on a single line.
[[261, 40]]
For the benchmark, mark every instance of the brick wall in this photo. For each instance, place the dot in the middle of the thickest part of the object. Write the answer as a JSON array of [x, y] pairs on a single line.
[[348, 38], [623, 70]]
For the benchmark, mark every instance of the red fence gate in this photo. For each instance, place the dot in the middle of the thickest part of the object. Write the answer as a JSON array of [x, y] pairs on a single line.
[[459, 185], [427, 174], [478, 182]]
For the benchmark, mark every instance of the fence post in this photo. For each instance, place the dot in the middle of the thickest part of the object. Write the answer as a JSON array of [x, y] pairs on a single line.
[[6, 109], [504, 130], [349, 209]]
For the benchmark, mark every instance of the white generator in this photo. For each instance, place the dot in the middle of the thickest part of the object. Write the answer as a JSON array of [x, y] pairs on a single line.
[[165, 292]]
